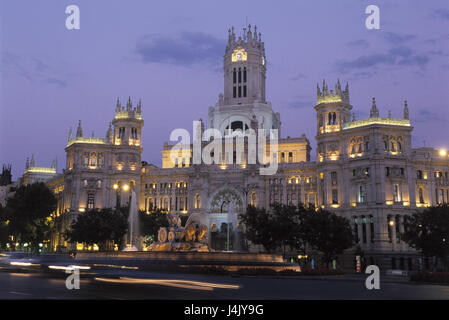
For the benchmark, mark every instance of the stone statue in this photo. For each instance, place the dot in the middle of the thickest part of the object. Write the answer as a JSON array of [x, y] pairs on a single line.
[[192, 237]]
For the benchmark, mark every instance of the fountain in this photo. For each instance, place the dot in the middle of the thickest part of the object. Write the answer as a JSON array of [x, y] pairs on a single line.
[[191, 237], [133, 236], [232, 220]]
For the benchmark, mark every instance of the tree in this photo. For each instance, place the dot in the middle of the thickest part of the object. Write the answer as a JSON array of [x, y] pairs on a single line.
[[29, 214], [151, 222], [99, 227], [4, 230], [328, 233], [428, 231], [259, 227]]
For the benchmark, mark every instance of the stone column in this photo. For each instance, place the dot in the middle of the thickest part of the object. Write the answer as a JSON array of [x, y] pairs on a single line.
[[368, 232], [360, 230]]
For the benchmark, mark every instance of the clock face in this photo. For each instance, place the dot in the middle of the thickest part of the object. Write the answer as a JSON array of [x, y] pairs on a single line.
[[239, 55]]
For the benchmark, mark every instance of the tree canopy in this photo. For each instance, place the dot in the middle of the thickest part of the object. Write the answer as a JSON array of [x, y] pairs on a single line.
[[428, 231], [150, 223], [298, 227], [28, 213], [99, 227]]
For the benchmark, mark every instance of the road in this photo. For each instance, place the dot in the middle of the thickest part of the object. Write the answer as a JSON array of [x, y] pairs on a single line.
[[153, 286]]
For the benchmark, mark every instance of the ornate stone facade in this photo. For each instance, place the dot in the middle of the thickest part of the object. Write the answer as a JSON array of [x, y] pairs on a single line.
[[365, 170]]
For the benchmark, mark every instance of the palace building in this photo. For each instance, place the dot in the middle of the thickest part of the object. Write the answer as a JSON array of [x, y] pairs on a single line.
[[365, 170]]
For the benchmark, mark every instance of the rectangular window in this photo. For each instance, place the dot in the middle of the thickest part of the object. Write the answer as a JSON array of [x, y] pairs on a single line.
[[361, 193], [234, 92], [334, 196], [244, 91], [90, 200], [240, 91], [396, 193]]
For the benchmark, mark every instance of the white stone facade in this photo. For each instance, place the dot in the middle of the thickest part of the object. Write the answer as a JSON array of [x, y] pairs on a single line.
[[365, 170]]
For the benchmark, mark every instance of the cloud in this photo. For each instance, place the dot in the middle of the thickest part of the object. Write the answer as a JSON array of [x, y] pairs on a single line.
[[441, 14], [399, 55], [186, 49], [300, 104], [299, 76], [34, 70], [425, 115], [360, 43], [396, 38]]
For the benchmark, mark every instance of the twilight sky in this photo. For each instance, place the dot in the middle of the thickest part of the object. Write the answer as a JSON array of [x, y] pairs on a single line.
[[169, 54]]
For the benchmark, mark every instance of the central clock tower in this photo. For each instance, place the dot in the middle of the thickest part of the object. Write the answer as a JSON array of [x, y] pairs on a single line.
[[243, 103], [244, 68]]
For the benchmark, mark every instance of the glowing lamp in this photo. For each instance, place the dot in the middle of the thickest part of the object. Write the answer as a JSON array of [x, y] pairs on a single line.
[[391, 223], [115, 186], [125, 187], [443, 152]]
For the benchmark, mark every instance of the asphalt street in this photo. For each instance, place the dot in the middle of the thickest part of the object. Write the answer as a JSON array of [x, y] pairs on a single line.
[[153, 286]]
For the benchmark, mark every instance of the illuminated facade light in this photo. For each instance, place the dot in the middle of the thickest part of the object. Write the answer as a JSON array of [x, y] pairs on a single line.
[[86, 140], [391, 223], [126, 187], [443, 152], [376, 120], [41, 170], [115, 186], [389, 202]]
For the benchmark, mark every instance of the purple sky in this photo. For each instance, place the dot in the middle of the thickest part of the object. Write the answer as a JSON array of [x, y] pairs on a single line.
[[169, 54]]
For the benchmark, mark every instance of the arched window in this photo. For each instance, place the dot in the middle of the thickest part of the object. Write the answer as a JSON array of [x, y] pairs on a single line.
[[244, 74], [367, 146], [360, 150], [419, 174], [254, 199], [392, 147], [334, 118], [234, 76], [421, 195], [197, 201]]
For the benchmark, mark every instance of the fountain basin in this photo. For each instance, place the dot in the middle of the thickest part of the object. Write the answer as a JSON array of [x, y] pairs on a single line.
[[171, 260]]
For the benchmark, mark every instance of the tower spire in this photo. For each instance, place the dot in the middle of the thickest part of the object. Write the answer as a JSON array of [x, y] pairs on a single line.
[[79, 130], [406, 112], [374, 112], [70, 137], [32, 163], [118, 106]]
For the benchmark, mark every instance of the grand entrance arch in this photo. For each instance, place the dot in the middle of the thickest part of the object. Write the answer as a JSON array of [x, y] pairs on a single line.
[[219, 217]]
